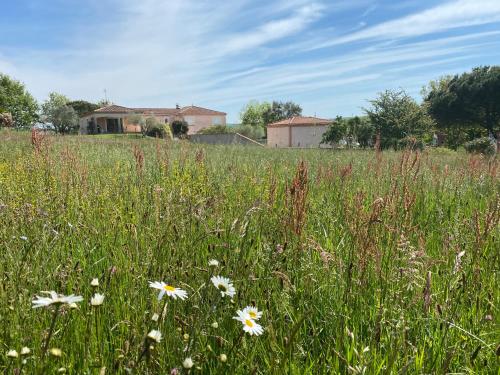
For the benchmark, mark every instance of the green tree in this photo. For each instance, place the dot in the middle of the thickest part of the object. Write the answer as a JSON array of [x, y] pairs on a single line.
[[179, 128], [52, 105], [396, 115], [278, 111], [467, 100], [138, 119], [65, 119], [365, 132], [81, 106], [253, 113], [335, 132], [16, 100]]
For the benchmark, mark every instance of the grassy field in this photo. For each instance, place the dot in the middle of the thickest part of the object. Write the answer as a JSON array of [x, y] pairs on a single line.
[[360, 263]]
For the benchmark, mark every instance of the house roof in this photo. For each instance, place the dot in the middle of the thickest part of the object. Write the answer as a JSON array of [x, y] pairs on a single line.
[[184, 111], [301, 121], [193, 110], [113, 109]]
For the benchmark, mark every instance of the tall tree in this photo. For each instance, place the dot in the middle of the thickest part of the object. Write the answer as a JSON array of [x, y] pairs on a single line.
[[396, 115], [253, 113], [16, 100], [335, 132], [65, 119], [467, 100], [52, 105], [280, 111], [82, 106]]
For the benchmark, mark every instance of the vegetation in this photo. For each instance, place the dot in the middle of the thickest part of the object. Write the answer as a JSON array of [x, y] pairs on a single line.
[[82, 106], [396, 115], [335, 132], [467, 100], [216, 129], [263, 114], [179, 128], [18, 102], [360, 262], [64, 119], [483, 145]]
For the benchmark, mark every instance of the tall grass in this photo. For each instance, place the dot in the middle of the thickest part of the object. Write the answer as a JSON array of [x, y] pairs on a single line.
[[361, 263]]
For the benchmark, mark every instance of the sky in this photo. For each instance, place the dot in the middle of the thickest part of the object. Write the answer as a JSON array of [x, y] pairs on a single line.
[[329, 56]]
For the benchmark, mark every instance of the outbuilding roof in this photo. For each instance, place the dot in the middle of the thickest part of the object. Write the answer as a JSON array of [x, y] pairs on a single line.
[[301, 121]]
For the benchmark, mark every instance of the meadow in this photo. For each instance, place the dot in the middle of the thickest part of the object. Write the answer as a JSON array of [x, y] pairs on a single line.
[[360, 262]]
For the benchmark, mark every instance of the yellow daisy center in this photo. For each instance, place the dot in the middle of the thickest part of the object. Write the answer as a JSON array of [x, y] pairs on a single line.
[[249, 323], [252, 314], [222, 287], [169, 288]]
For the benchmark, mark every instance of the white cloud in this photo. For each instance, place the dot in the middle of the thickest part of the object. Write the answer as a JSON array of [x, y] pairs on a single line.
[[443, 17]]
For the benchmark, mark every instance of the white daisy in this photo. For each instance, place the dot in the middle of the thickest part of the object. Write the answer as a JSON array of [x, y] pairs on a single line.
[[249, 325], [95, 282], [224, 285], [55, 299], [253, 312], [213, 263], [12, 353], [97, 300], [188, 363], [25, 351], [169, 290], [155, 335]]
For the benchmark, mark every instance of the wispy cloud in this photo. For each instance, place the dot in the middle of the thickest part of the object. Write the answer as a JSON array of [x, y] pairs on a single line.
[[451, 15]]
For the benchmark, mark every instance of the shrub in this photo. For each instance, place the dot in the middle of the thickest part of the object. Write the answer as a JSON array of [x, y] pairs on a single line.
[[412, 143], [179, 128], [253, 132], [218, 129], [484, 145]]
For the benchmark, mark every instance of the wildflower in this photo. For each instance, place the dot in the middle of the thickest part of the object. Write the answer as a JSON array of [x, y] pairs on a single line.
[[154, 335], [174, 371], [185, 337], [25, 351], [12, 353], [188, 363], [56, 352], [97, 300], [155, 317], [73, 306], [55, 299], [249, 325], [223, 357], [215, 325], [169, 290], [24, 238], [224, 285], [95, 282], [253, 312], [213, 263]]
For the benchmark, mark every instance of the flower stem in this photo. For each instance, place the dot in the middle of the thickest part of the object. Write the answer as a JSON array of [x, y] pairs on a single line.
[[51, 331]]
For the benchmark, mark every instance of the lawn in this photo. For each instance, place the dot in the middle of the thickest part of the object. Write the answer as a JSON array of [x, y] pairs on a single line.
[[359, 262]]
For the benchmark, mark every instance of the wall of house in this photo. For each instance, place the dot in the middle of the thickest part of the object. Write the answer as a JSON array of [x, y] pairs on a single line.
[[130, 128], [307, 136], [196, 123], [278, 137]]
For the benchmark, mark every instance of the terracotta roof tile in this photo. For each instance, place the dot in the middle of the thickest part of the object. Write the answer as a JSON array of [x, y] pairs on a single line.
[[184, 111], [301, 121], [199, 111], [114, 109]]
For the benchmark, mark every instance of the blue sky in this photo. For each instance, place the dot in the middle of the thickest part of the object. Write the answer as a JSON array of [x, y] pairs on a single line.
[[329, 56]]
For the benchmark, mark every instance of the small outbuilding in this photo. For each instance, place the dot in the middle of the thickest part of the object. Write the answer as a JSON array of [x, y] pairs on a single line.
[[297, 132]]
